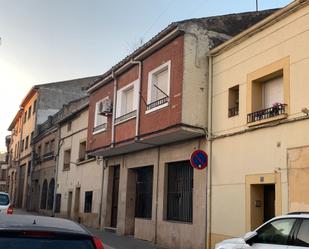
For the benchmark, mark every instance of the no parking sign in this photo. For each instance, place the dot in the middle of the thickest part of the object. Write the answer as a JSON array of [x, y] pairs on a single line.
[[199, 159]]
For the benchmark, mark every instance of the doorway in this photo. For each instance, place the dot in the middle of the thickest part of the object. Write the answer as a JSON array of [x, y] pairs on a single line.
[[115, 194], [76, 203], [262, 204], [70, 203]]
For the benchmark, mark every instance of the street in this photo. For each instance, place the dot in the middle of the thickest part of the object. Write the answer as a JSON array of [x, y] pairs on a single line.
[[109, 239]]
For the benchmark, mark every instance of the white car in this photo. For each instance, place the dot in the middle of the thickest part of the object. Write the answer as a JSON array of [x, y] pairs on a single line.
[[290, 231], [5, 205]]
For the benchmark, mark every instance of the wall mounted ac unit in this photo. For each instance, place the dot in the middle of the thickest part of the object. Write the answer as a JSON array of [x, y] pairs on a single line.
[[105, 107]]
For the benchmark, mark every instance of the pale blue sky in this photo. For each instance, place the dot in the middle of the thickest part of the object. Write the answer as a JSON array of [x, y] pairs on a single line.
[[51, 40]]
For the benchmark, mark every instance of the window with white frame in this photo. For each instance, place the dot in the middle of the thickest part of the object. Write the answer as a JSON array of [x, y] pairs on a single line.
[[100, 121], [126, 102], [158, 86]]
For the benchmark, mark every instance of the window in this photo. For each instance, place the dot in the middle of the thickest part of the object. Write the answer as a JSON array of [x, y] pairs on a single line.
[[69, 126], [34, 106], [27, 142], [29, 112], [39, 150], [46, 148], [179, 191], [233, 101], [144, 180], [302, 238], [100, 121], [88, 202], [276, 232], [25, 117], [82, 151], [67, 159], [158, 86], [31, 137], [22, 145], [52, 146], [126, 102]]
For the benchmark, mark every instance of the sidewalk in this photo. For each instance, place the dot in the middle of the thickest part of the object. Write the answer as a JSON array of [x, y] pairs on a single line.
[[114, 241], [111, 240]]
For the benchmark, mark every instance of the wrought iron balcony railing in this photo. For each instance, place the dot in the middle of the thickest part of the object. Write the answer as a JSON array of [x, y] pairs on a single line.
[[157, 103], [100, 127], [125, 116], [271, 112], [234, 111]]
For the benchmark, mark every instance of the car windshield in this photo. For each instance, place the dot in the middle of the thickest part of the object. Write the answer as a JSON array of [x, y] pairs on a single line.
[[44, 243], [4, 199]]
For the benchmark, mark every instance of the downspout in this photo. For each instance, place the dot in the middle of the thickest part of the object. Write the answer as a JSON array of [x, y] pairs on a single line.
[[104, 166], [114, 108], [32, 155], [209, 141], [60, 142], [139, 63], [18, 164]]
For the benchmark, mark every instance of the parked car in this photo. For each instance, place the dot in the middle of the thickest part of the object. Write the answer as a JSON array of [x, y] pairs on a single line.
[[36, 232], [5, 205], [290, 231]]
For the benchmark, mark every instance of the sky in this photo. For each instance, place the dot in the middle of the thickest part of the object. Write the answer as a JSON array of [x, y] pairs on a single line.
[[44, 41]]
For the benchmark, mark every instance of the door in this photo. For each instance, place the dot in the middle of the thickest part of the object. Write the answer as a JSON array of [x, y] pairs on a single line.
[[274, 234], [302, 236], [70, 203], [269, 202], [21, 184], [115, 196]]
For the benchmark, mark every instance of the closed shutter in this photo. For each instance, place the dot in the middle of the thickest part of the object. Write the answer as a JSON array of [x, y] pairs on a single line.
[[273, 92]]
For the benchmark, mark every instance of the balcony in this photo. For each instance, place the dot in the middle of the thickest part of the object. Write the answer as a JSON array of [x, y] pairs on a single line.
[[48, 156], [157, 103], [125, 117], [234, 111], [278, 111]]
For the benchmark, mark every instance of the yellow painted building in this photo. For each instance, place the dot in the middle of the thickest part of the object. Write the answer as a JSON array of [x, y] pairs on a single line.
[[258, 123]]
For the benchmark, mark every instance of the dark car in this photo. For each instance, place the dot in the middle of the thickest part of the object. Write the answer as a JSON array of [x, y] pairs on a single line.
[[39, 232]]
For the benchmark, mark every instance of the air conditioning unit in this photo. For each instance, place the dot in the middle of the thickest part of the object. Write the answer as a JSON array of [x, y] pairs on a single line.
[[105, 107]]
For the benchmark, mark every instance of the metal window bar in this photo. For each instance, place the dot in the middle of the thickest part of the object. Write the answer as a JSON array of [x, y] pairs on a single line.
[[180, 190], [144, 183], [157, 103], [234, 111], [125, 116], [100, 127], [274, 111]]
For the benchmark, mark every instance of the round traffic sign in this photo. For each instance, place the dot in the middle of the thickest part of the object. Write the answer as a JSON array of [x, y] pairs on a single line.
[[199, 159]]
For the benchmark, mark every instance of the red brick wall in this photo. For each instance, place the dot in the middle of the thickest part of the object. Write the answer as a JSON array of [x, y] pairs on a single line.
[[104, 138], [151, 122], [170, 115]]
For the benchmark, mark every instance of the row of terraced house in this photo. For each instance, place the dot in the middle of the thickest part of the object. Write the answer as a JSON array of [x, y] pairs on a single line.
[[113, 151]]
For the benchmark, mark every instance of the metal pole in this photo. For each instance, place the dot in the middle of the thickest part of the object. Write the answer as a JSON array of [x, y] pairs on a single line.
[[257, 5]]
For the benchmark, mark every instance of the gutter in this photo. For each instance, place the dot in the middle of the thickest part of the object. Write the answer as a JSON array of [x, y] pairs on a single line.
[[140, 64], [114, 109], [209, 141], [265, 23]]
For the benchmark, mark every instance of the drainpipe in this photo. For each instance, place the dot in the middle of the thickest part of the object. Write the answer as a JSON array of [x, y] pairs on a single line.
[[18, 164], [32, 155], [139, 63], [114, 108], [60, 142], [104, 166], [209, 140]]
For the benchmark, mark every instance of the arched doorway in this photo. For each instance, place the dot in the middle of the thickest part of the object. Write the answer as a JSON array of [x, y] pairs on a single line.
[[44, 195], [50, 200]]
